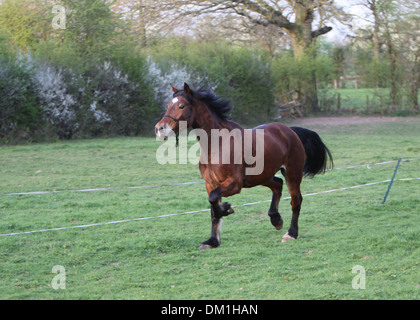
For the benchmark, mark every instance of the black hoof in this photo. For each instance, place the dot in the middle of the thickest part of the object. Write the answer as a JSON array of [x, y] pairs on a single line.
[[276, 220], [209, 244], [226, 209]]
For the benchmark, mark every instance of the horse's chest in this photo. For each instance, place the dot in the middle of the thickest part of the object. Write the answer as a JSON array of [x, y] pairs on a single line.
[[210, 174]]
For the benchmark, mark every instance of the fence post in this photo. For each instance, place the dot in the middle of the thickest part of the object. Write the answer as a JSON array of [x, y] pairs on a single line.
[[381, 107], [338, 101], [367, 103], [392, 180]]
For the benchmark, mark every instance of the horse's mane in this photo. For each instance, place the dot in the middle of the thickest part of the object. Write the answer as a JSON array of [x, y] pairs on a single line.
[[219, 106]]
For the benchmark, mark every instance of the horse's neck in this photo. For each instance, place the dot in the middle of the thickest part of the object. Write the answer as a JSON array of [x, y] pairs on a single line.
[[206, 120]]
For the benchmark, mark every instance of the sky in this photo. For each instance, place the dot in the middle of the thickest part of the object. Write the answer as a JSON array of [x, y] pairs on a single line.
[[340, 32]]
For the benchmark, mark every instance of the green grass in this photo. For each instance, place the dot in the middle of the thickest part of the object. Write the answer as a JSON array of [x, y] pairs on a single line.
[[364, 100], [356, 98], [159, 258]]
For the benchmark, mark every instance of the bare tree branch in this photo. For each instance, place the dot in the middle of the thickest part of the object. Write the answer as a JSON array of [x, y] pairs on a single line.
[[321, 31]]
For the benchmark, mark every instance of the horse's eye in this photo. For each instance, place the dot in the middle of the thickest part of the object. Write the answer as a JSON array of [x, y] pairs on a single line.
[[181, 106]]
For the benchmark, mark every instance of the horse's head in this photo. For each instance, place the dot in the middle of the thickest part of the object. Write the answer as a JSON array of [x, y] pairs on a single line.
[[179, 109]]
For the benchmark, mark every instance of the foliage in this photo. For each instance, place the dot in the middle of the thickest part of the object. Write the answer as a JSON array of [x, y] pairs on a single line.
[[374, 73], [72, 85], [166, 73], [19, 108], [59, 106], [100, 77], [291, 75], [117, 101], [91, 27], [392, 58], [240, 74], [25, 22]]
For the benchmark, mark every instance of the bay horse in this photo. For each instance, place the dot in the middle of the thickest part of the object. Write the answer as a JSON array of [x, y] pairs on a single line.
[[294, 151]]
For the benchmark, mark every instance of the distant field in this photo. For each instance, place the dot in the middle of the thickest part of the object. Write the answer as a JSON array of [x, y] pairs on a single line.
[[158, 258], [361, 100]]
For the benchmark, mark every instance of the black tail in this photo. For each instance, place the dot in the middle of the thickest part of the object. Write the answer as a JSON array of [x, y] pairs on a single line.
[[317, 153]]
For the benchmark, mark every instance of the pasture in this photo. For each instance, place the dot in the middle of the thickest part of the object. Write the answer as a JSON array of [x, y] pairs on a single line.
[[362, 101], [158, 258]]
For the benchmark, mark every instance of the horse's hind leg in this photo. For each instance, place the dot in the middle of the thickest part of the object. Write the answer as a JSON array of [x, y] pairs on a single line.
[[276, 186], [293, 184]]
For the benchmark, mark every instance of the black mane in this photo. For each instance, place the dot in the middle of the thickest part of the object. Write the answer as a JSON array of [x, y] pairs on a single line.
[[220, 107]]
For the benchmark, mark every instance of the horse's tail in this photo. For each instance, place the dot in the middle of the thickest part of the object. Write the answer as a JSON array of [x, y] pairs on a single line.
[[317, 153]]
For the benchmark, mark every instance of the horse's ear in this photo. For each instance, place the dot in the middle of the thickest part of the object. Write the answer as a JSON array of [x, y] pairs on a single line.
[[175, 90], [187, 89]]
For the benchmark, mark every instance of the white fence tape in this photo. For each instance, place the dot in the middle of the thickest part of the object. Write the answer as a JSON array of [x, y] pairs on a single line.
[[196, 211], [368, 165]]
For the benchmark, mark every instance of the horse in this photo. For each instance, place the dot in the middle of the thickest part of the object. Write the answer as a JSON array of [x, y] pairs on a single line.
[[295, 151]]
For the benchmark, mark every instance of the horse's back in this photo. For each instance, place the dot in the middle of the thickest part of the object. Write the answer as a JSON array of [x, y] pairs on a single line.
[[279, 137], [282, 148]]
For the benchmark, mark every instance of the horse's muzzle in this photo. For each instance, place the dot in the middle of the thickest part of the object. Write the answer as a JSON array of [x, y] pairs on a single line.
[[163, 131]]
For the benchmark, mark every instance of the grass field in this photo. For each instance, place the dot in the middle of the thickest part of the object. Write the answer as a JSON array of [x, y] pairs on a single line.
[[159, 258], [367, 101]]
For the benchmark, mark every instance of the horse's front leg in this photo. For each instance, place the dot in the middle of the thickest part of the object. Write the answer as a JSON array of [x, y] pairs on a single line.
[[216, 224], [219, 210]]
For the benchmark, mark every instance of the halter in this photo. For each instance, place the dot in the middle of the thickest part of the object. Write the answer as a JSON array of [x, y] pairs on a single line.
[[168, 116], [176, 120]]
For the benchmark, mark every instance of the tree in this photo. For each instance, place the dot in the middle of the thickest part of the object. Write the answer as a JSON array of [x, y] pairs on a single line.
[[392, 56], [373, 7], [393, 34], [141, 14], [295, 18], [392, 14], [241, 31], [373, 64], [338, 56], [91, 26], [25, 22], [407, 40]]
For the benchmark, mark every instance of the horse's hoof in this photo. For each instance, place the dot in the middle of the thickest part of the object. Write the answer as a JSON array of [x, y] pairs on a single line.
[[209, 244], [276, 220], [204, 246], [226, 208], [287, 237], [280, 226]]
